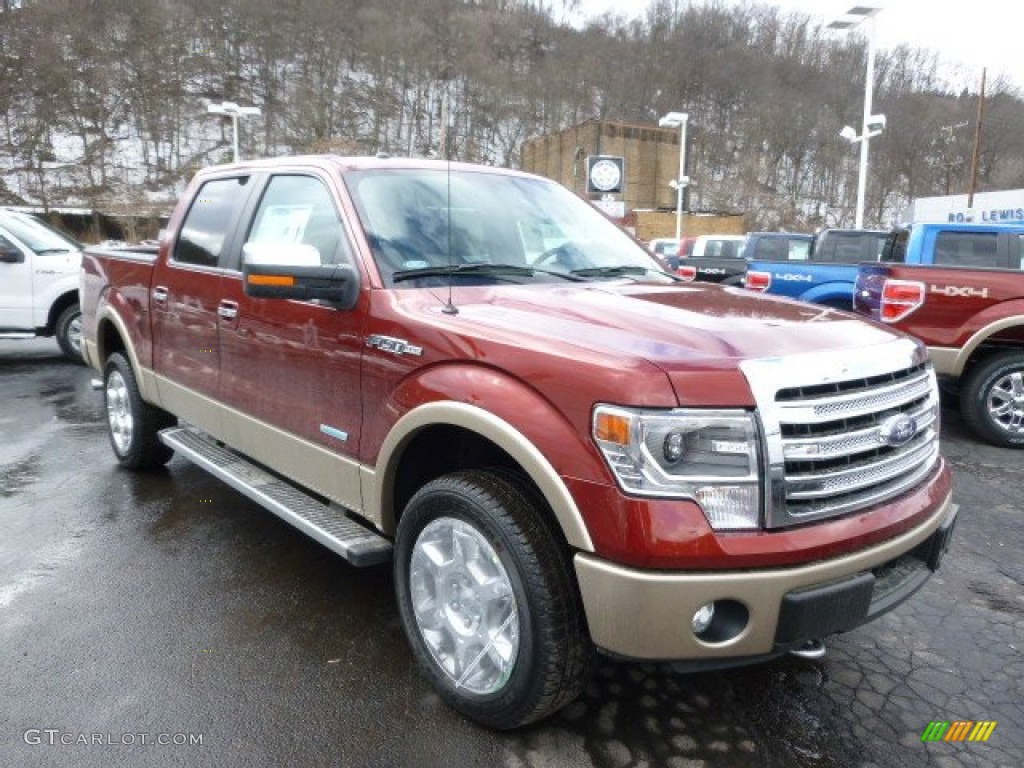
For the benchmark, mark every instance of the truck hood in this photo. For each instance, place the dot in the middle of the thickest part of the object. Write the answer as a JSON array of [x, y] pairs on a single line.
[[675, 327]]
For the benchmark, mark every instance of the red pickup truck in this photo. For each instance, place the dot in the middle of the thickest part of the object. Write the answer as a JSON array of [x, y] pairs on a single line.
[[970, 317], [472, 373]]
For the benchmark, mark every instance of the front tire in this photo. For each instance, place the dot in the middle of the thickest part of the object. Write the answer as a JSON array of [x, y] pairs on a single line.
[[488, 601], [68, 331], [133, 423], [992, 399]]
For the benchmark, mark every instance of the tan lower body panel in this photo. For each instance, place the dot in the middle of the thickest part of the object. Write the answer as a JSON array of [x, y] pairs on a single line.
[[646, 614], [308, 464], [946, 361]]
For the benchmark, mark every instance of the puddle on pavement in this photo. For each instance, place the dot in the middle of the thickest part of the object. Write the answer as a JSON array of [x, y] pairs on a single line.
[[17, 476], [996, 601]]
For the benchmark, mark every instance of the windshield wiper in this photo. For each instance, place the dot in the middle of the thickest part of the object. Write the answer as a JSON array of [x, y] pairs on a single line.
[[482, 269], [620, 271]]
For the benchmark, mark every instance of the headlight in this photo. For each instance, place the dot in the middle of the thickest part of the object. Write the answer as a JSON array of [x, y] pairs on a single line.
[[708, 456]]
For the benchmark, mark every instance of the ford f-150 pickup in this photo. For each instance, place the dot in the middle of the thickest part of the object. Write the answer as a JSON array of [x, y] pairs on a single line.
[[827, 277], [39, 269], [472, 373], [968, 307]]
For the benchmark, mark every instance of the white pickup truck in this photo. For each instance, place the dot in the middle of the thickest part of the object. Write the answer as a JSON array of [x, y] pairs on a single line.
[[39, 269]]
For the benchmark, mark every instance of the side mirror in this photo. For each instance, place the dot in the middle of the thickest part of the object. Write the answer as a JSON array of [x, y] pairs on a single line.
[[10, 255], [293, 271]]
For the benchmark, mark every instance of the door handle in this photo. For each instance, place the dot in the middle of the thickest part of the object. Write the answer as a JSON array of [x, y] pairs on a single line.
[[228, 309], [160, 294]]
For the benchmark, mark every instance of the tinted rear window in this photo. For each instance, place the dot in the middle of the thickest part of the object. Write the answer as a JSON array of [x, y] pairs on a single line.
[[966, 249]]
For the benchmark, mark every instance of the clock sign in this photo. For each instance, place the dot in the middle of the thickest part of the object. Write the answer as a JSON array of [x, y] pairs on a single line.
[[604, 174]]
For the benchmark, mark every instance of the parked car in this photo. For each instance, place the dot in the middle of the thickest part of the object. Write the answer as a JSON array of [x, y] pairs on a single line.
[[714, 259], [778, 246], [666, 250], [828, 276], [718, 246], [559, 451], [39, 282], [959, 288], [848, 246], [664, 246]]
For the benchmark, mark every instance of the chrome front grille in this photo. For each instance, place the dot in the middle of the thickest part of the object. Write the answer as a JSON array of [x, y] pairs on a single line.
[[854, 433]]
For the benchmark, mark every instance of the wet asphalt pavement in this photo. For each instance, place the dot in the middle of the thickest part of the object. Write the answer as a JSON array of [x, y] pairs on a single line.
[[145, 608]]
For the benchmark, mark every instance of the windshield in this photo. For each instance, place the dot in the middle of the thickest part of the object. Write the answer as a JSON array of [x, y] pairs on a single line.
[[37, 235], [433, 220]]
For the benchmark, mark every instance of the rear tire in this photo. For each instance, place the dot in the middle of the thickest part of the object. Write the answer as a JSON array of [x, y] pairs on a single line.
[[992, 399], [488, 600], [132, 423], [68, 331]]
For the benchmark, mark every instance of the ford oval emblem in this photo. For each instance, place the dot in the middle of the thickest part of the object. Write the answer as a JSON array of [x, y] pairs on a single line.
[[897, 430]]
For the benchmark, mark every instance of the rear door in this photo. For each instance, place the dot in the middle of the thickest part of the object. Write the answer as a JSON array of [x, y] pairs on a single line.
[[185, 298]]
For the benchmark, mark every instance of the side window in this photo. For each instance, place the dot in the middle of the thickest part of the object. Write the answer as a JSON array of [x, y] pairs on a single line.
[[848, 250], [207, 223], [299, 210], [770, 249], [799, 250], [824, 248], [966, 249]]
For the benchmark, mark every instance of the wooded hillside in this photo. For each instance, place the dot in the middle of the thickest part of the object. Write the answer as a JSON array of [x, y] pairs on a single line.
[[103, 102]]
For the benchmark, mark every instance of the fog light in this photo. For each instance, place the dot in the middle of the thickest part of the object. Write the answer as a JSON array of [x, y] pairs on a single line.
[[702, 618]]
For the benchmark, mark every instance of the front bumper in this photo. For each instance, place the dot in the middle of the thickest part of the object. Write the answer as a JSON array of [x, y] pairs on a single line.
[[647, 614]]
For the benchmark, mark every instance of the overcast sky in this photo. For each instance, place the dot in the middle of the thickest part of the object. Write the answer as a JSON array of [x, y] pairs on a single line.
[[967, 34]]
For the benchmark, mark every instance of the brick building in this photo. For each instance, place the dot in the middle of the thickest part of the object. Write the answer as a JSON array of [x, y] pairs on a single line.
[[651, 157]]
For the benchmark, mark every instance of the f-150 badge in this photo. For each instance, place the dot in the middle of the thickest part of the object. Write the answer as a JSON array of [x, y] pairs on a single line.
[[393, 345]]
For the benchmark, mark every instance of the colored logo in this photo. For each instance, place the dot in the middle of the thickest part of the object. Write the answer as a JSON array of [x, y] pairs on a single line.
[[958, 730], [898, 430]]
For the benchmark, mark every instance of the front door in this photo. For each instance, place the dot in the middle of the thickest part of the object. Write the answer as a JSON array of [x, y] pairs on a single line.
[[291, 368], [15, 286]]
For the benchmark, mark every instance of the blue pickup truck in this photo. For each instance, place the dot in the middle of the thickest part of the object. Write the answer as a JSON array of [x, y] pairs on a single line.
[[954, 245], [827, 276]]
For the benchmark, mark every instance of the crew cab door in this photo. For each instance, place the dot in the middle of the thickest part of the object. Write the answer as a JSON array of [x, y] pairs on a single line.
[[38, 264], [294, 366], [185, 299], [15, 285]]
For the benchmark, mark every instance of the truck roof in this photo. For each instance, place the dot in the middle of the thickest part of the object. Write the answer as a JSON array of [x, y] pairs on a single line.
[[347, 163]]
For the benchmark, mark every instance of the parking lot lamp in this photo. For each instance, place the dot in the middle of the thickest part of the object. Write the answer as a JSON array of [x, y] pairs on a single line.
[[678, 120], [230, 108], [871, 125]]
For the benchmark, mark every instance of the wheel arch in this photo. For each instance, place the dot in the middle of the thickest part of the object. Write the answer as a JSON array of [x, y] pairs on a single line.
[[831, 294], [112, 336], [988, 340], [441, 437], [61, 303]]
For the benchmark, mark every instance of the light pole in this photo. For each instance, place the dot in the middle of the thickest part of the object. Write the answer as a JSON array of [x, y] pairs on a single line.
[[674, 120], [872, 125], [230, 108]]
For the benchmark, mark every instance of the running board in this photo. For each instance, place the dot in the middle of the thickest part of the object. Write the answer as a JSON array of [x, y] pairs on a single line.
[[328, 524]]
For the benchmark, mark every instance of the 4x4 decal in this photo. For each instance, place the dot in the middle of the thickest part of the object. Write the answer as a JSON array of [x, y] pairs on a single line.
[[959, 291]]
